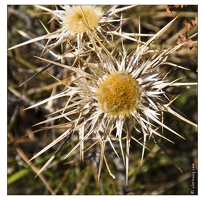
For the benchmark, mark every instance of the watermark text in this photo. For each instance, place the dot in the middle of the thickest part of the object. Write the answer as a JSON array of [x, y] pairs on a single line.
[[193, 179]]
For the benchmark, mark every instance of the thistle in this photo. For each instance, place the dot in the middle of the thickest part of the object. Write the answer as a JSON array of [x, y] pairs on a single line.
[[118, 90], [111, 97], [75, 22]]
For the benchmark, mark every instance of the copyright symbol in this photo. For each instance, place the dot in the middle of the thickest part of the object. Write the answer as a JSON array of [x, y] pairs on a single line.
[[192, 191]]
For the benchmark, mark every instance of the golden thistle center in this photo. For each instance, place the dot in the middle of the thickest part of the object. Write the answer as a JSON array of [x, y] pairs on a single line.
[[119, 94], [79, 19]]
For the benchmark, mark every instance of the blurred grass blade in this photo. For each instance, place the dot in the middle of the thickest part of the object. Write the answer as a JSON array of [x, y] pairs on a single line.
[[16, 176]]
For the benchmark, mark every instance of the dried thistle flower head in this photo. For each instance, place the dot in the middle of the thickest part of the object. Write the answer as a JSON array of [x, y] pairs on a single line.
[[118, 90], [75, 24]]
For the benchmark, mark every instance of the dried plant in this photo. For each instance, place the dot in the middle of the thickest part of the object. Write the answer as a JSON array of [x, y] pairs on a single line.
[[111, 95]]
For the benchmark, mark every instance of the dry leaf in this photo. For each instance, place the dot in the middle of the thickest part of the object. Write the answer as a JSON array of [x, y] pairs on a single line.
[[185, 35], [170, 7]]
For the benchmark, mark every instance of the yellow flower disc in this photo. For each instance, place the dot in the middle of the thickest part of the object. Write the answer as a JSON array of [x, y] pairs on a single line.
[[119, 94], [78, 18]]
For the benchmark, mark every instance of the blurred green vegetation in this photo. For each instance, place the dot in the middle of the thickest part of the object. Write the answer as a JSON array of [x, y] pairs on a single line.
[[157, 175]]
